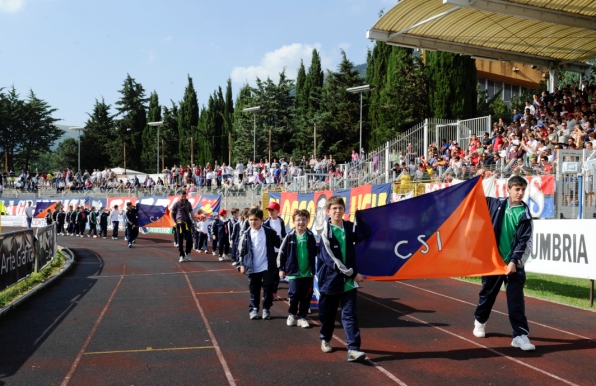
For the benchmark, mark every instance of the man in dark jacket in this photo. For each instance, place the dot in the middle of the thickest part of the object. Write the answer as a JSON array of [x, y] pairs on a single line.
[[132, 218], [258, 261], [337, 276], [223, 235], [296, 261], [60, 218], [182, 215], [512, 223], [103, 222]]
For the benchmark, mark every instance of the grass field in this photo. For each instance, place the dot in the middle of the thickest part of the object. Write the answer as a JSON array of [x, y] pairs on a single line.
[[11, 294], [574, 292]]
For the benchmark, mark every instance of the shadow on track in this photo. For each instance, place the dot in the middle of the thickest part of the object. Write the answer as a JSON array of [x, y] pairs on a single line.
[[24, 329]]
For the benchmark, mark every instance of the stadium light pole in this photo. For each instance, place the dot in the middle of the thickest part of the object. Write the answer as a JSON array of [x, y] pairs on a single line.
[[158, 125], [254, 110], [360, 90], [79, 129]]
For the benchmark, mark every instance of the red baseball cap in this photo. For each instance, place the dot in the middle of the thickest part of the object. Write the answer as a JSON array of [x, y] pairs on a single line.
[[223, 212], [273, 205]]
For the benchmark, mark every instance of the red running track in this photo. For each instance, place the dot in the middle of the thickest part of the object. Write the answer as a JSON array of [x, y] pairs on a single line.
[[137, 316]]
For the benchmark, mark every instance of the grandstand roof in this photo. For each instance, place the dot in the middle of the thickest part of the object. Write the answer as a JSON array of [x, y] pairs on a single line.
[[548, 33]]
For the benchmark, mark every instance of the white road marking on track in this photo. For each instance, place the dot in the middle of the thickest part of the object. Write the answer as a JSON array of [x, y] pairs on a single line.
[[75, 364], [149, 274], [471, 341], [220, 356], [498, 312], [222, 360], [370, 361]]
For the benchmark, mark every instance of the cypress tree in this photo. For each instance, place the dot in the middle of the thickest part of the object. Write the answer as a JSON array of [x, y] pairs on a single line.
[[95, 140], [452, 89], [228, 115], [243, 125], [169, 135], [188, 120], [129, 128], [340, 132], [401, 98], [150, 134]]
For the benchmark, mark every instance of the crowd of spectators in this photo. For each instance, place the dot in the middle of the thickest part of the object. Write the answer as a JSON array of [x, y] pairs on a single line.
[[192, 178], [528, 145]]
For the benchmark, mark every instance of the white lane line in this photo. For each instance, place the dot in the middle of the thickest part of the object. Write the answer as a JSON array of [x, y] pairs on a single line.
[[222, 360], [498, 312], [150, 274], [368, 360], [472, 342], [220, 356], [75, 364]]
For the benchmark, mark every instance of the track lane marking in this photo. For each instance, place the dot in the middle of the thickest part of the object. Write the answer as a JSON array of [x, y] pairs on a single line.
[[367, 359], [499, 312], [148, 349], [471, 341], [220, 356], [148, 274], [222, 292], [77, 360]]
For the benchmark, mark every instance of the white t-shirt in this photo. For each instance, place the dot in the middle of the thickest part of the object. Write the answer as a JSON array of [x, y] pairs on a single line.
[[115, 215], [276, 226], [29, 211], [259, 250]]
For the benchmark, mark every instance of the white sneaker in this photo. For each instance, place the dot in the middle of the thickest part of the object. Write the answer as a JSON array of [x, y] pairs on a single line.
[[205, 251], [221, 258], [181, 259], [523, 342], [214, 253], [94, 236], [303, 323], [176, 245], [188, 257], [479, 329], [291, 320]]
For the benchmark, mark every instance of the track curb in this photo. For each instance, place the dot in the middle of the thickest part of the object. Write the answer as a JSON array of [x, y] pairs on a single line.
[[69, 260]]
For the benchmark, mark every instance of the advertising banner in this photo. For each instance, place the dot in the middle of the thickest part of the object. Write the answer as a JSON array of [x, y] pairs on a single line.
[[17, 257], [46, 245], [564, 248], [540, 193], [362, 197]]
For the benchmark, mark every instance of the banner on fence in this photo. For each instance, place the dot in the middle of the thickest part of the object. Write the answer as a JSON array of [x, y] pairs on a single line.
[[564, 248], [540, 194], [41, 208], [15, 206], [45, 250], [17, 257], [445, 233], [362, 197]]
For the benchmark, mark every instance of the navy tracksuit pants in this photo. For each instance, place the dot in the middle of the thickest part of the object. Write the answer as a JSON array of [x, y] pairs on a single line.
[[259, 280], [349, 318], [514, 284], [300, 294]]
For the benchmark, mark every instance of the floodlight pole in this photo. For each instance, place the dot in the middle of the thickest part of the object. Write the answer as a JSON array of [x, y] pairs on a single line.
[[79, 128], [254, 110], [360, 90], [158, 124]]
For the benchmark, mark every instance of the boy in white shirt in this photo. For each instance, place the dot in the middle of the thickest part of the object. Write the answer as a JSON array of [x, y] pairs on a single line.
[[258, 261]]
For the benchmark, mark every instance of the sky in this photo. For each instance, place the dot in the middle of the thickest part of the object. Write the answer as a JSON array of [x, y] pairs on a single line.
[[72, 52]]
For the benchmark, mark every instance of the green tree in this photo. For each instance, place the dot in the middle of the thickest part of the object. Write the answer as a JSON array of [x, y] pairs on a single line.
[[188, 120], [400, 99], [40, 130], [132, 113], [150, 134], [169, 136], [96, 140], [243, 125], [340, 131], [66, 154], [451, 85], [228, 117]]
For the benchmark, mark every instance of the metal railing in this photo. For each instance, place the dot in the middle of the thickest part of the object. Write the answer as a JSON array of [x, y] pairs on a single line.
[[412, 144]]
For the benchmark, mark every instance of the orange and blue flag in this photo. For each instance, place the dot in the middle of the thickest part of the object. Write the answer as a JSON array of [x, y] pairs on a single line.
[[41, 208], [154, 216], [447, 233]]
